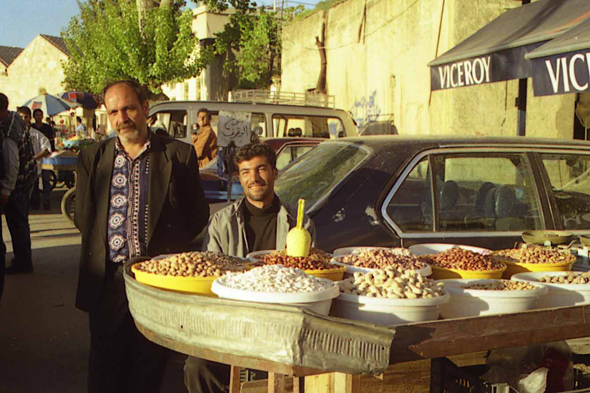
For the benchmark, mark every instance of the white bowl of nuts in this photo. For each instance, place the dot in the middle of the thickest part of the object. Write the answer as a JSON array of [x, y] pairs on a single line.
[[371, 259], [280, 285], [391, 296], [435, 248], [565, 288], [359, 249], [474, 297]]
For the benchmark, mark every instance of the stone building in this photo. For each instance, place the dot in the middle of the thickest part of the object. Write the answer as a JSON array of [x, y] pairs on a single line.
[[37, 66], [376, 67]]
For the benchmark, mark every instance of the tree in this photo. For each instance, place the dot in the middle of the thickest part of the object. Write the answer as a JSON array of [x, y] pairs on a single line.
[[250, 42], [146, 40]]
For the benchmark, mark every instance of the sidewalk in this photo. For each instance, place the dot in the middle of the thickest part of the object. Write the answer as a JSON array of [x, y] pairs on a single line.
[[44, 339]]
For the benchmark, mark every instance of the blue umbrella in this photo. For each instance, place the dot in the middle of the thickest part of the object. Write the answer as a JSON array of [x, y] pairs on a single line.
[[81, 97], [50, 105]]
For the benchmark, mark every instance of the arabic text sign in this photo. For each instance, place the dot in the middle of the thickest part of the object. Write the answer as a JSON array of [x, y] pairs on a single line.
[[233, 126]]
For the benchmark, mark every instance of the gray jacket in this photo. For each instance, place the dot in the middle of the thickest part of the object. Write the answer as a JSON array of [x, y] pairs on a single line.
[[227, 233]]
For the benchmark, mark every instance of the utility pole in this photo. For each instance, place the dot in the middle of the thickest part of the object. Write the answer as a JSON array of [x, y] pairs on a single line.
[[522, 99]]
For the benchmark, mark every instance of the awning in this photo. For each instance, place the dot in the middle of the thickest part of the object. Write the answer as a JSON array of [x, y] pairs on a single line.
[[497, 51], [563, 64]]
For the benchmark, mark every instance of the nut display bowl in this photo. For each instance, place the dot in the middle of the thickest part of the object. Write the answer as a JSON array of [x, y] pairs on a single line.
[[585, 240], [351, 250], [553, 237], [559, 295], [335, 274], [385, 311], [318, 301], [337, 260], [477, 302], [435, 248], [441, 273], [513, 268]]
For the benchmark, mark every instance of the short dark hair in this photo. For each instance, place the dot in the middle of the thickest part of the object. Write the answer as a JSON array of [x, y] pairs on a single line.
[[3, 102], [24, 110], [137, 88], [206, 111], [78, 118], [38, 110], [249, 151]]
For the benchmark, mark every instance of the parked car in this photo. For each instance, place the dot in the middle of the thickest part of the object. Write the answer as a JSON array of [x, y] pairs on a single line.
[[399, 191]]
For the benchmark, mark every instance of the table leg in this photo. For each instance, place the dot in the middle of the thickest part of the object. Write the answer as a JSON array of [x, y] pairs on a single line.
[[347, 383], [276, 383], [234, 381], [298, 385]]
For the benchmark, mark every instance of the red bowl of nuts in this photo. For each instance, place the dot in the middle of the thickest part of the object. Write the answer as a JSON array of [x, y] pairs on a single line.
[[462, 263], [317, 263]]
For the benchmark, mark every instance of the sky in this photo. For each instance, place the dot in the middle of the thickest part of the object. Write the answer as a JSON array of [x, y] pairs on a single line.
[[23, 20]]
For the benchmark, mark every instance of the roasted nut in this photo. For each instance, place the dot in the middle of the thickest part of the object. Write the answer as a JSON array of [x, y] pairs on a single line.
[[380, 258], [193, 264], [501, 285], [569, 278], [400, 284], [317, 260], [461, 259], [532, 254]]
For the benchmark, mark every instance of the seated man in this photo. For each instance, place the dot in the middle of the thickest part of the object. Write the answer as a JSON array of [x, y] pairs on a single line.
[[259, 221]]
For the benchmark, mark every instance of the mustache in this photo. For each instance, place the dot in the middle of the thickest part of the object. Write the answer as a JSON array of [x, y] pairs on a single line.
[[127, 124], [261, 183]]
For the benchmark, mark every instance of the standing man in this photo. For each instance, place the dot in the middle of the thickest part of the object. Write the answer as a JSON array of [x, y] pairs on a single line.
[[204, 139], [41, 149], [11, 133], [81, 128], [49, 132], [138, 194], [259, 221]]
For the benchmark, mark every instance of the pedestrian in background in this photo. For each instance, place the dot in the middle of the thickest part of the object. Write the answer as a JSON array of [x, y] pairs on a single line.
[[204, 138], [16, 209], [81, 128], [42, 149], [116, 179], [48, 129]]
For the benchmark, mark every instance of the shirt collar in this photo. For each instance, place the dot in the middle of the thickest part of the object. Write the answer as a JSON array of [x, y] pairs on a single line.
[[121, 149]]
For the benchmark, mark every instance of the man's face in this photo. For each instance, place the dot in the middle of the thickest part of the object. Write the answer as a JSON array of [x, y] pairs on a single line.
[[38, 115], [26, 118], [258, 179], [203, 119], [127, 115]]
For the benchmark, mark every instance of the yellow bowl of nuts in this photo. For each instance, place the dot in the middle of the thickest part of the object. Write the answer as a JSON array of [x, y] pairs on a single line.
[[189, 272], [464, 263], [534, 259]]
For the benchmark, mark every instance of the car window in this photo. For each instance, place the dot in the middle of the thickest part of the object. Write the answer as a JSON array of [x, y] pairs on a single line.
[[174, 121], [290, 153], [472, 192], [569, 175], [307, 126], [411, 207], [319, 172]]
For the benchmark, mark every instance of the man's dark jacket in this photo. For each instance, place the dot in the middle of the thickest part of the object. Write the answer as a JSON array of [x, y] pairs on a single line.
[[178, 210]]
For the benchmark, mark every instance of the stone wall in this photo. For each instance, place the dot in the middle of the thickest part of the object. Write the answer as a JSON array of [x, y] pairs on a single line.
[[377, 54]]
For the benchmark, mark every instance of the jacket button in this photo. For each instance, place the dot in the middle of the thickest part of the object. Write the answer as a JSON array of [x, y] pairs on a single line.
[[169, 225]]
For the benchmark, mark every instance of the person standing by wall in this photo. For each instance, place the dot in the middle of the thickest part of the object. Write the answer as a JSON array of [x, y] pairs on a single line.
[[204, 139], [137, 194], [80, 128]]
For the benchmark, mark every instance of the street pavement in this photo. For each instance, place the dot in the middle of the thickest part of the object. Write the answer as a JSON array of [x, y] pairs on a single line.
[[44, 339]]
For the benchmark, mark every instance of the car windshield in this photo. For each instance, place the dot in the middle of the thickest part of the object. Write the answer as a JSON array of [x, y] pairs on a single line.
[[316, 174]]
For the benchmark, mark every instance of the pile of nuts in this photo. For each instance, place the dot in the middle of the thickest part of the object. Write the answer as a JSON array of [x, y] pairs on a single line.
[[316, 260], [501, 285], [569, 278], [377, 258], [275, 279], [539, 255], [392, 283], [461, 259], [193, 264]]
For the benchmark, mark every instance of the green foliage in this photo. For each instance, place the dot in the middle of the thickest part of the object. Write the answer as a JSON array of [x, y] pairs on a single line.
[[106, 43], [250, 42]]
